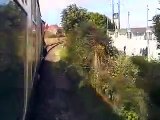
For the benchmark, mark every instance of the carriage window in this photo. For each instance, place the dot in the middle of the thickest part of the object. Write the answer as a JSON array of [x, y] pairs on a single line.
[[12, 60]]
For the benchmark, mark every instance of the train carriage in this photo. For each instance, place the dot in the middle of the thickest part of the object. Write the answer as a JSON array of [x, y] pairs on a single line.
[[21, 44]]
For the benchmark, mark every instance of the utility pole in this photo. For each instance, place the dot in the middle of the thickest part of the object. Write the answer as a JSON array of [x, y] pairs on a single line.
[[128, 20], [147, 35], [113, 11], [147, 16], [119, 8]]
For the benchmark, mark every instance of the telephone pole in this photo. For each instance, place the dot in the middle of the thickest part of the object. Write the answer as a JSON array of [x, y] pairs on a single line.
[[116, 15], [113, 11], [147, 34], [128, 20], [119, 8], [147, 16]]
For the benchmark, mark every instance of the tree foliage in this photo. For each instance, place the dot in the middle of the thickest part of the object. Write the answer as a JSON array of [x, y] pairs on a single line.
[[115, 78], [73, 16], [156, 20], [112, 76], [101, 21]]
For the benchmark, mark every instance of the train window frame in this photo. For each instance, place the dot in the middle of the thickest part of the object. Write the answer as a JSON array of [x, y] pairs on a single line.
[[26, 2], [33, 11], [34, 39]]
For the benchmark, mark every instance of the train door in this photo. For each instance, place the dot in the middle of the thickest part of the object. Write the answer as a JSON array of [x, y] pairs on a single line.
[[12, 60]]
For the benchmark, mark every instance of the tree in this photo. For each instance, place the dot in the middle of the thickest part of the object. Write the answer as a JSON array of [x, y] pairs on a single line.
[[72, 16], [156, 20], [101, 21], [90, 51]]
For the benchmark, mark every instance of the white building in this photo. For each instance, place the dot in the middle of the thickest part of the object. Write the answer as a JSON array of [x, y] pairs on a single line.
[[136, 42]]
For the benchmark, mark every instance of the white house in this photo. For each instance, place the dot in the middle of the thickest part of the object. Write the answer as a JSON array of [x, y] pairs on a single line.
[[135, 42]]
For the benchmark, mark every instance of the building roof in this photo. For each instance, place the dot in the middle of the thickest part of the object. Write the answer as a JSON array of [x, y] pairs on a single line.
[[140, 30], [53, 27]]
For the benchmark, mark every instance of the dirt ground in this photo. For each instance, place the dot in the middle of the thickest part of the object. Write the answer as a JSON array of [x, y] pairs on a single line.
[[53, 99]]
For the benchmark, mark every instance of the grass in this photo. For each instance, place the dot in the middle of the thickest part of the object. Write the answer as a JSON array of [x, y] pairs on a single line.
[[63, 53]]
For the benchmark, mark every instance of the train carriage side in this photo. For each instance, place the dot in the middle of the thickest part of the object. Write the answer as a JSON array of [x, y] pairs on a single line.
[[20, 51]]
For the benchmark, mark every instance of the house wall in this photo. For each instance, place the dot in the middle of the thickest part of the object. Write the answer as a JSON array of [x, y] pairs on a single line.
[[135, 44]]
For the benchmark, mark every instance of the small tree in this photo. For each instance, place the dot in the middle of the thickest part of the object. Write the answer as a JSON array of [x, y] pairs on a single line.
[[72, 16]]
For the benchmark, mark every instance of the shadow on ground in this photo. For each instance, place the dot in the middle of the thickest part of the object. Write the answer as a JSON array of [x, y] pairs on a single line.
[[96, 108], [57, 97], [150, 72]]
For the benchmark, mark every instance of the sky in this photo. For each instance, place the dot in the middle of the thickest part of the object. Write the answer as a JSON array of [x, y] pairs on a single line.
[[51, 10]]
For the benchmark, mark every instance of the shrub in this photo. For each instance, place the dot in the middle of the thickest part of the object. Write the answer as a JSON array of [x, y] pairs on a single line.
[[128, 114]]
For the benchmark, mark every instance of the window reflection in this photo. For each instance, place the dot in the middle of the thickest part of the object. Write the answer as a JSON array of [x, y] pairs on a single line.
[[3, 2], [12, 56], [34, 37]]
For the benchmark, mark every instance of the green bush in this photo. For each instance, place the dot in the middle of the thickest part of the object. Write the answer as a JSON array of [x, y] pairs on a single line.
[[128, 114], [113, 77], [120, 86], [124, 66]]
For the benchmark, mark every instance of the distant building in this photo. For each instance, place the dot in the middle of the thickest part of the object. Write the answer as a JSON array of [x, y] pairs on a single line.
[[135, 41], [135, 33], [55, 29]]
